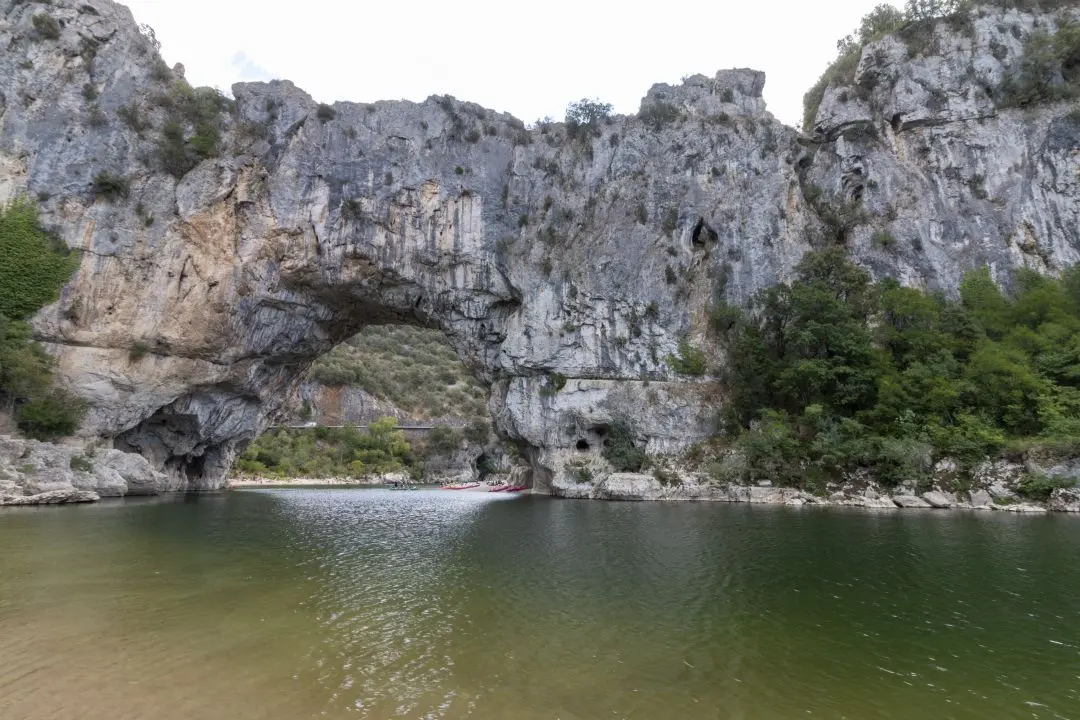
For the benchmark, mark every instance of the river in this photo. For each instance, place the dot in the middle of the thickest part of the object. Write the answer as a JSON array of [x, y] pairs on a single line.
[[287, 604]]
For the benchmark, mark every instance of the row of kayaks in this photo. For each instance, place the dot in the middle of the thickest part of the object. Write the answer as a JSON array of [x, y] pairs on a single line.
[[495, 489]]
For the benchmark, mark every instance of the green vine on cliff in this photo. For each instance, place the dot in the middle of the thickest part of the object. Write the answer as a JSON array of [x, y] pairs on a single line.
[[34, 265]]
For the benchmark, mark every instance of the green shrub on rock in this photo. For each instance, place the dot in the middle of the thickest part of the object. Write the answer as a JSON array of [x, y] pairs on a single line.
[[690, 360], [35, 264], [47, 26], [621, 451], [110, 186]]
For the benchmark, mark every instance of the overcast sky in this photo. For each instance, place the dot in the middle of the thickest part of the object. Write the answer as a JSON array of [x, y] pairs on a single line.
[[529, 59]]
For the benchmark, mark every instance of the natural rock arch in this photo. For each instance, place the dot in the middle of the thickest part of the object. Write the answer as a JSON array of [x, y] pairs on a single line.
[[565, 268]]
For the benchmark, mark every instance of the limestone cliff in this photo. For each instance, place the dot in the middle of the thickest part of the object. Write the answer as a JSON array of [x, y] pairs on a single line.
[[565, 264], [945, 179]]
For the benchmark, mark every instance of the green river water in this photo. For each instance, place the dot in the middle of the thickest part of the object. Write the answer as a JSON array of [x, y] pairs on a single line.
[[291, 604]]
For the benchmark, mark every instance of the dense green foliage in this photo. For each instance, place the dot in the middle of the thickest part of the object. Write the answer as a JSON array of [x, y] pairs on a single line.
[[832, 372], [34, 265], [415, 368], [621, 451], [33, 268], [587, 112], [658, 115], [583, 118], [353, 453], [330, 452], [192, 131], [690, 360]]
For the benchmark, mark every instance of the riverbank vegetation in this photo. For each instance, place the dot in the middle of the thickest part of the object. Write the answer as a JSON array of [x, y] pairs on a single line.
[[331, 452], [833, 373], [34, 265], [414, 368]]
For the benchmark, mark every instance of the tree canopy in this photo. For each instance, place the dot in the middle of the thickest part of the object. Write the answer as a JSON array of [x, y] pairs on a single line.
[[833, 372]]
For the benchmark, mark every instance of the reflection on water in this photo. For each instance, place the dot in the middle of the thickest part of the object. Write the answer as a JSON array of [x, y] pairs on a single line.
[[285, 604]]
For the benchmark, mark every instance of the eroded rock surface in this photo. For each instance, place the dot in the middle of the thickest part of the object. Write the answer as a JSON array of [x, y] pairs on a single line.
[[565, 266], [35, 473], [1065, 500]]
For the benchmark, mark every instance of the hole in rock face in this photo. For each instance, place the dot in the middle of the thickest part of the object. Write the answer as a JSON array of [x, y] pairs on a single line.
[[483, 465], [897, 122], [703, 233], [195, 467], [583, 445]]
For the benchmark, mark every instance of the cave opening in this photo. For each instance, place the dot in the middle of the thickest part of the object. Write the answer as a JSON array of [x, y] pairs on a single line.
[[704, 234]]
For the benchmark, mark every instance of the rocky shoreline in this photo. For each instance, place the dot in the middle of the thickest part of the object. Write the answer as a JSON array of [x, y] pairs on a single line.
[[647, 488], [39, 473]]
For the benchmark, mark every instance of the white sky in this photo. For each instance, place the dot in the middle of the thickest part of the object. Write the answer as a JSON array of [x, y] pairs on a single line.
[[529, 59]]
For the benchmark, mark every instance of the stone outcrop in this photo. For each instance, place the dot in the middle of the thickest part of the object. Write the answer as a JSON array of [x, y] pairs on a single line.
[[34, 473], [564, 264], [53, 497], [1065, 500], [910, 501], [940, 500], [946, 178]]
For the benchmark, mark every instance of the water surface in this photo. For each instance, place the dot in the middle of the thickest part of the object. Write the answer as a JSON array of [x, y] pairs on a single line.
[[331, 603]]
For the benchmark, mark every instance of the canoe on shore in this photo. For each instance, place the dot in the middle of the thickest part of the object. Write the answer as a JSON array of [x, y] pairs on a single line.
[[466, 486]]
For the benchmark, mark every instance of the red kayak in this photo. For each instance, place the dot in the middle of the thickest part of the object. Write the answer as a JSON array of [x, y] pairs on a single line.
[[517, 488], [500, 488]]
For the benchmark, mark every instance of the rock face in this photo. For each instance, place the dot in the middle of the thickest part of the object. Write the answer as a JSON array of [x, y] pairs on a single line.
[[55, 497], [910, 501], [35, 473], [940, 500], [1065, 500], [564, 264], [625, 486], [952, 181]]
